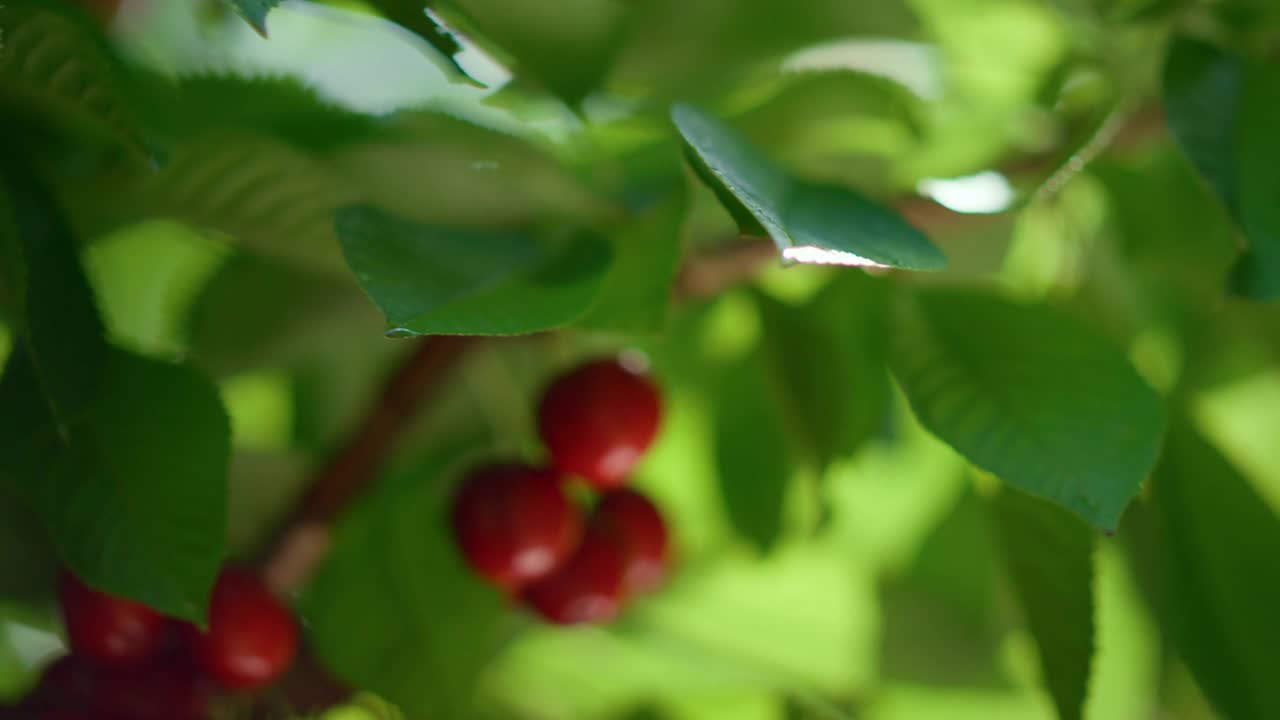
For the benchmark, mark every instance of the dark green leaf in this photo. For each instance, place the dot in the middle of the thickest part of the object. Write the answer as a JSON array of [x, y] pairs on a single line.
[[427, 626], [1221, 583], [1049, 555], [432, 280], [59, 319], [53, 66], [1027, 394], [280, 106], [135, 495], [254, 12], [27, 554], [1223, 110], [567, 47], [809, 222], [752, 461], [828, 357], [636, 293]]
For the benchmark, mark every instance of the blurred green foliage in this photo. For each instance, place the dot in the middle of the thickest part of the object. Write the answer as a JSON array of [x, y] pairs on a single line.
[[1095, 172]]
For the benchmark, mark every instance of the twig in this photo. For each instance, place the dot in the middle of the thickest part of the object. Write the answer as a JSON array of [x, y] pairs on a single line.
[[305, 536]]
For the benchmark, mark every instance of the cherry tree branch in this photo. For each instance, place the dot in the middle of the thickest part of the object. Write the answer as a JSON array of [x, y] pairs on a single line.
[[304, 538]]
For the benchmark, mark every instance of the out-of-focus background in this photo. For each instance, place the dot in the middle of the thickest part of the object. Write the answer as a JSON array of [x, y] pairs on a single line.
[[1027, 134]]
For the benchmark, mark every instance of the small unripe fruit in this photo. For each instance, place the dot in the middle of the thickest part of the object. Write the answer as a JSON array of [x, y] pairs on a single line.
[[629, 519], [107, 629], [514, 523], [251, 639], [588, 589], [598, 420]]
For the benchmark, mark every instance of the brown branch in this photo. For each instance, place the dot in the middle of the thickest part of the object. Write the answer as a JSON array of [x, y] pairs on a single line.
[[304, 538]]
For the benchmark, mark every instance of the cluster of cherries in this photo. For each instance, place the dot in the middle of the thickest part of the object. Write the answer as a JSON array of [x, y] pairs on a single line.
[[128, 662], [519, 528]]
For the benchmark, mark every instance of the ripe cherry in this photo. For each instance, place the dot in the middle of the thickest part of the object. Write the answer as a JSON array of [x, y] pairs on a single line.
[[251, 639], [588, 589], [107, 629], [597, 420], [514, 523], [632, 521]]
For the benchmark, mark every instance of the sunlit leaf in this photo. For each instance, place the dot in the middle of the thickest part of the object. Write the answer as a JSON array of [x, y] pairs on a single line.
[[1031, 396], [809, 222]]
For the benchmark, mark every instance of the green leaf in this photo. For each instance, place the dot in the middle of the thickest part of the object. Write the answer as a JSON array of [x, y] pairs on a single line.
[[254, 12], [1049, 555], [567, 46], [753, 464], [1223, 110], [829, 361], [256, 313], [53, 66], [279, 106], [809, 222], [27, 554], [475, 176], [433, 280], [1029, 395], [134, 495], [428, 627], [271, 198], [1219, 594], [58, 317], [636, 293]]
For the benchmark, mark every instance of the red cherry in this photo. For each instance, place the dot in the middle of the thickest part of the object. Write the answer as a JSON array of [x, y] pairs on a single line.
[[251, 639], [633, 522], [588, 589], [514, 523], [108, 629], [597, 421]]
